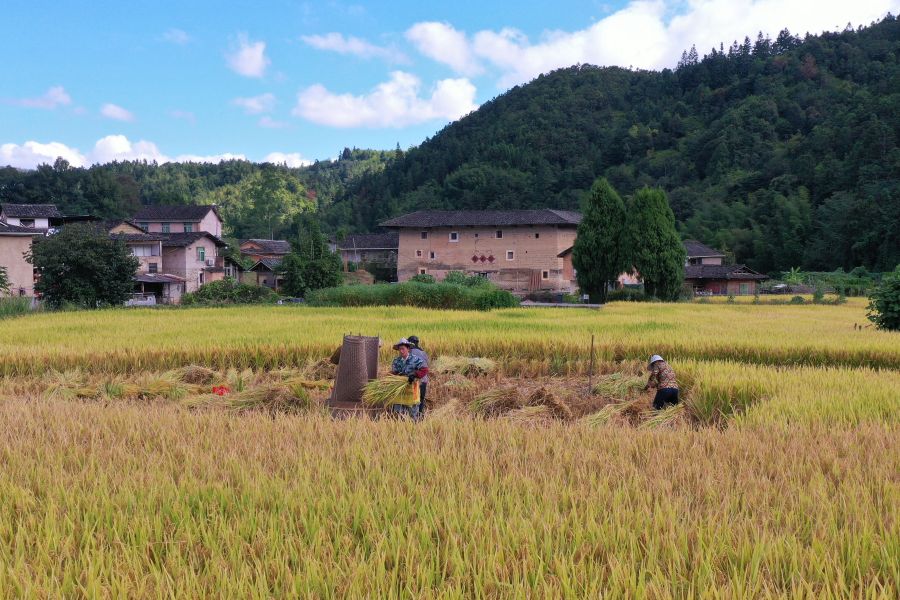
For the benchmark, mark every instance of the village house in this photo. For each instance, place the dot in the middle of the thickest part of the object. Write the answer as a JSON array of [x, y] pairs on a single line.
[[150, 279], [35, 216], [258, 249], [265, 272], [193, 256], [707, 274], [367, 248], [191, 218], [518, 250], [15, 243]]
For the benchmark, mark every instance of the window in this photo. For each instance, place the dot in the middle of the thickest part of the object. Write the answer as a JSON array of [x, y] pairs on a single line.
[[201, 253], [545, 274], [476, 235], [201, 278], [418, 254], [166, 228], [432, 255], [424, 235], [142, 250], [510, 255], [144, 226], [499, 234], [422, 271], [188, 227], [26, 222], [151, 267], [537, 236], [745, 289], [454, 236]]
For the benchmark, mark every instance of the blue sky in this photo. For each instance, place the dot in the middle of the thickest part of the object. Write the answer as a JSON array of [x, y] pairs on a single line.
[[294, 81]]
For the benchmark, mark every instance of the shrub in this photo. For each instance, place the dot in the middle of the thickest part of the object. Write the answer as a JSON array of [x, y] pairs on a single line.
[[415, 293], [460, 278], [229, 291], [884, 303], [627, 295], [14, 306], [798, 300], [423, 278]]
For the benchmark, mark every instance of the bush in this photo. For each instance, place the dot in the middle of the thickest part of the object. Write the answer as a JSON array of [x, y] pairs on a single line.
[[884, 303], [15, 306], [423, 278], [460, 278], [798, 300], [627, 295], [415, 293], [229, 291]]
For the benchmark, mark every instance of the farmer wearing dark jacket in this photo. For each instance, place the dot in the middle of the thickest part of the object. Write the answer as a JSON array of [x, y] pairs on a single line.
[[423, 382], [413, 368], [662, 377]]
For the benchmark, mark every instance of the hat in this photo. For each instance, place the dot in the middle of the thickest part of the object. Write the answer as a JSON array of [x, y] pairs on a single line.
[[654, 358], [402, 342], [414, 340]]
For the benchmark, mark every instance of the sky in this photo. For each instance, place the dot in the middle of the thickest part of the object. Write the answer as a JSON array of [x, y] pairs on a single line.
[[290, 81]]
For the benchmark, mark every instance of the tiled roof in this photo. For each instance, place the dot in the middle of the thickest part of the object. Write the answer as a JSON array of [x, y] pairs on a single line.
[[721, 272], [270, 263], [370, 241], [32, 211], [158, 278], [6, 229], [174, 212], [484, 218], [180, 240], [695, 249], [268, 246], [111, 223], [136, 237]]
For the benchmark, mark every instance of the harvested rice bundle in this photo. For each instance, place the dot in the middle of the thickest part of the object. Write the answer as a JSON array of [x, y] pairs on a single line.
[[464, 365], [459, 383], [666, 418], [544, 397], [619, 386], [166, 385], [610, 413], [205, 402], [448, 410], [531, 415], [61, 383], [307, 384], [495, 402], [197, 375], [271, 398], [392, 389], [319, 369]]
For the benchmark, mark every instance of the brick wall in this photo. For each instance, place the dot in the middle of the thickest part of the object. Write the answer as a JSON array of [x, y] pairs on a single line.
[[532, 265]]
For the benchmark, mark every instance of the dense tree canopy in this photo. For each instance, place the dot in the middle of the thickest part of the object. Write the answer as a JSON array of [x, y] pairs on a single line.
[[599, 255]]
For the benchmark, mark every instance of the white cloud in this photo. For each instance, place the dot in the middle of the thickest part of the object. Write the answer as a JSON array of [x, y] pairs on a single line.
[[336, 42], [115, 112], [52, 98], [184, 115], [107, 149], [270, 123], [444, 44], [31, 154], [293, 159], [176, 36], [649, 34], [256, 104], [394, 103], [248, 58]]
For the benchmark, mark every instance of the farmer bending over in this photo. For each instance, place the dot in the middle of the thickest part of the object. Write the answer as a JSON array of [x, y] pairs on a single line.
[[413, 368], [662, 377], [423, 382]]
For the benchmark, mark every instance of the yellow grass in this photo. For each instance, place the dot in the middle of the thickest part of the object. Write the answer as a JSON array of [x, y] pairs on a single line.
[[123, 475]]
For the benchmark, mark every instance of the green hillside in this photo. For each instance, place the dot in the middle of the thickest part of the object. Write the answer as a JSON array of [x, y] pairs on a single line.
[[784, 152]]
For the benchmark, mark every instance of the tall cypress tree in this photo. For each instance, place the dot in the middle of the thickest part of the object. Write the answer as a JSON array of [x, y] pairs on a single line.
[[598, 255], [655, 248]]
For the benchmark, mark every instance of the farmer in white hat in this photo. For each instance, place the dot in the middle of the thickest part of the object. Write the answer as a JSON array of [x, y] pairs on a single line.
[[413, 368], [662, 377]]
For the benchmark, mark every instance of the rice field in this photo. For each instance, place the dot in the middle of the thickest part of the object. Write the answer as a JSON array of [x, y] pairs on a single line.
[[187, 453]]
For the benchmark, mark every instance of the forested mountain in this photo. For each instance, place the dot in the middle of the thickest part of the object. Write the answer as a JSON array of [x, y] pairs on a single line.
[[782, 152], [256, 200]]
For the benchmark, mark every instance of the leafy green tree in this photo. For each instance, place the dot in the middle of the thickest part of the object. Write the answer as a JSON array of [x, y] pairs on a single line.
[[884, 303], [81, 265], [653, 244], [599, 256], [310, 265]]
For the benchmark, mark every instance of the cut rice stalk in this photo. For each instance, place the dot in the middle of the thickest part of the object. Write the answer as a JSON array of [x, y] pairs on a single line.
[[464, 365], [666, 418], [496, 401], [386, 390], [609, 413], [544, 397]]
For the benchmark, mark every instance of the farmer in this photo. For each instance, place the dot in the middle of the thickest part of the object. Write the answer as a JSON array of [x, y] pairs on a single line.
[[423, 383], [413, 368], [662, 377]]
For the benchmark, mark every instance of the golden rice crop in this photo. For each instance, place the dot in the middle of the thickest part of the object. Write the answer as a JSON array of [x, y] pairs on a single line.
[[464, 365], [386, 390], [141, 501]]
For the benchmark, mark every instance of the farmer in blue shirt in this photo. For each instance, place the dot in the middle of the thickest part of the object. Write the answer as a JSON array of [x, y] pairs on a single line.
[[423, 382], [413, 368]]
